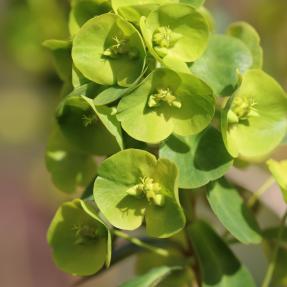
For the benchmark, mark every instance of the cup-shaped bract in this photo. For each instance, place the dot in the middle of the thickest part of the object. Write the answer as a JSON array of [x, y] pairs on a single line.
[[80, 241], [94, 130], [133, 185], [166, 102], [175, 31], [254, 120], [279, 172], [109, 50]]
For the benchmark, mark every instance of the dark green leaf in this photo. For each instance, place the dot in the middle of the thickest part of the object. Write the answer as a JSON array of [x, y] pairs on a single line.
[[233, 213], [200, 158], [219, 266]]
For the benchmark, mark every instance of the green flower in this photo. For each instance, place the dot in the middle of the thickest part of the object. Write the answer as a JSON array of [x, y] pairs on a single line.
[[166, 102], [108, 50], [80, 241], [92, 129], [254, 121], [279, 172], [175, 31], [133, 185]]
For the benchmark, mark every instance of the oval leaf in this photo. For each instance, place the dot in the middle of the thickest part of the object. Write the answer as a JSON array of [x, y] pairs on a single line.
[[233, 213], [219, 266], [200, 158]]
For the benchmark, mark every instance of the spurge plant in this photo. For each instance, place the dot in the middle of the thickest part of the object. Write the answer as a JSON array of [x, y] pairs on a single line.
[[155, 109]]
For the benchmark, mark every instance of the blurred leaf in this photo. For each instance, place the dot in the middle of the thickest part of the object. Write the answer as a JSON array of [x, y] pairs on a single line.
[[248, 35], [219, 266], [182, 278], [219, 66], [233, 213], [200, 158], [152, 278], [279, 172], [70, 168], [61, 51]]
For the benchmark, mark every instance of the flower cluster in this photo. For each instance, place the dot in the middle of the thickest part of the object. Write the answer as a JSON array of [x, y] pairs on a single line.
[[165, 105]]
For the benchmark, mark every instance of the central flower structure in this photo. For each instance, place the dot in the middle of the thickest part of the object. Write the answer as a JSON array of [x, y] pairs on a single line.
[[163, 39], [141, 188], [149, 189], [163, 95], [120, 48], [241, 109], [87, 233]]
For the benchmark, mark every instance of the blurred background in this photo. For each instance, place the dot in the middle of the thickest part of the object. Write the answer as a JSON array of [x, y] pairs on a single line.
[[29, 91]]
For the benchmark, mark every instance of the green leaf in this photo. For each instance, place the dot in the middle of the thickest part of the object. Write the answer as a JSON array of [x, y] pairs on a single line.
[[233, 213], [187, 107], [109, 50], [124, 203], [186, 28], [279, 172], [79, 240], [254, 121], [279, 277], [219, 266], [219, 66], [152, 278], [83, 10], [61, 51], [200, 158], [71, 169], [114, 93], [91, 129], [146, 261], [248, 35]]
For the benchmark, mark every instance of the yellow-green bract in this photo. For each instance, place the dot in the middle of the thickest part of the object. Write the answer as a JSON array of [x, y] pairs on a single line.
[[164, 103], [79, 239], [133, 185]]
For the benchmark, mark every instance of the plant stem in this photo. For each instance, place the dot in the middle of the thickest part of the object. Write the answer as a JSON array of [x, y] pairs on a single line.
[[272, 264], [262, 189], [140, 243]]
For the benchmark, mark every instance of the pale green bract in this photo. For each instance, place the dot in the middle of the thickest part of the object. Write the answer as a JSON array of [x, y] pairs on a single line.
[[175, 31], [80, 241], [133, 185], [109, 50], [166, 102], [254, 121]]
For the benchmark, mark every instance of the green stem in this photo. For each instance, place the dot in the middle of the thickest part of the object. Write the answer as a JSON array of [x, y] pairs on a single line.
[[262, 189], [139, 243], [271, 267]]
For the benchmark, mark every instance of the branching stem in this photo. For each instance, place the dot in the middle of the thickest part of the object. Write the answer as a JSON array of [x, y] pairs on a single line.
[[140, 243], [262, 189]]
